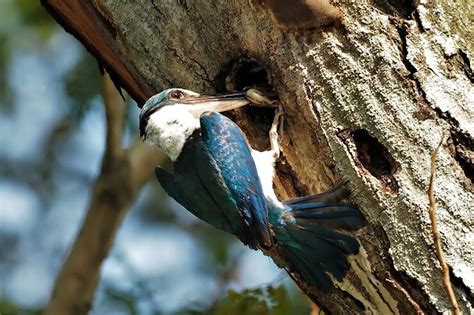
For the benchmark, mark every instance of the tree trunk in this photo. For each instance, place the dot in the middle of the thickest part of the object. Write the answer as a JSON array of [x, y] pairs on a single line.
[[365, 101]]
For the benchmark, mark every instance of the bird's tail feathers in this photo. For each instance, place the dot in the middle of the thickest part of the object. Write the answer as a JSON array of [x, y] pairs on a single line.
[[336, 194], [309, 241]]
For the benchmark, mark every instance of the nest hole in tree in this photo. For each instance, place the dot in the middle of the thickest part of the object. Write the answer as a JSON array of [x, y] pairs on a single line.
[[375, 158], [243, 73]]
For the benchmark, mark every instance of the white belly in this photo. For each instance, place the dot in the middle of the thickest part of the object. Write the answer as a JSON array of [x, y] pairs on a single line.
[[265, 163]]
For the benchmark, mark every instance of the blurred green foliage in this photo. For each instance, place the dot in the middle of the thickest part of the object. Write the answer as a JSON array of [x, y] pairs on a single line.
[[4, 91], [266, 300], [79, 90], [8, 308], [259, 301], [32, 15], [129, 302]]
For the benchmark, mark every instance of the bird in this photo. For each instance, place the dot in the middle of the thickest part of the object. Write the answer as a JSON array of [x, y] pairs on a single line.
[[221, 180]]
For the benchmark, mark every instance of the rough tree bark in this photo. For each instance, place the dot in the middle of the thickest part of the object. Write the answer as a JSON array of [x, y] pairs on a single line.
[[365, 102]]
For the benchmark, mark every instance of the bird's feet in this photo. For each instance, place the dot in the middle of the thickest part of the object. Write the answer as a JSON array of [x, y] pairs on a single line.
[[258, 98], [275, 131]]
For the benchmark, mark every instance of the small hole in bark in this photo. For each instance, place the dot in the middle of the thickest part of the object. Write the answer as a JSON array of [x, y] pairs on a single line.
[[372, 154], [375, 158], [238, 75]]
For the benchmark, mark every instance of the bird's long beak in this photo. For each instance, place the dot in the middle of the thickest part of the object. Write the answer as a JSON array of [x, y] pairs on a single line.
[[215, 103], [198, 104]]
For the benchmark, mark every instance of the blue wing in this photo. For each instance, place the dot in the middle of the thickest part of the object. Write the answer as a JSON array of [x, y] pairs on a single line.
[[229, 150], [189, 187], [215, 178]]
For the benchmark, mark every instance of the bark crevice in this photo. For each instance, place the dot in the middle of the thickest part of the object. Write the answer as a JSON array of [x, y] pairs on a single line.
[[420, 93], [463, 153], [459, 284], [466, 64]]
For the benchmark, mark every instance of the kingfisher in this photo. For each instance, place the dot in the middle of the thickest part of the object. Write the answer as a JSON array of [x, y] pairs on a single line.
[[221, 180]]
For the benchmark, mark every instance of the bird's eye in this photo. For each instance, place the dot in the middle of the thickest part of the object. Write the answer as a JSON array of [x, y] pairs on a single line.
[[176, 95]]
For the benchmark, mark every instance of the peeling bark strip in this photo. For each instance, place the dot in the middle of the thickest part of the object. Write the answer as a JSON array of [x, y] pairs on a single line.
[[397, 75], [97, 33]]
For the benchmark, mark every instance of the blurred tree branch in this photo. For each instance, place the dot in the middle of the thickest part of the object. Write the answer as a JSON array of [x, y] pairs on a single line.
[[122, 175]]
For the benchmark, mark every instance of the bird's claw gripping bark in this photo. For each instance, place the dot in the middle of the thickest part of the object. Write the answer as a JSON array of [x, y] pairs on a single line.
[[276, 131], [258, 98]]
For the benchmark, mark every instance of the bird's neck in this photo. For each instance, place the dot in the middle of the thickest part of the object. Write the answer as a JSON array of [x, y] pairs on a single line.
[[170, 128]]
